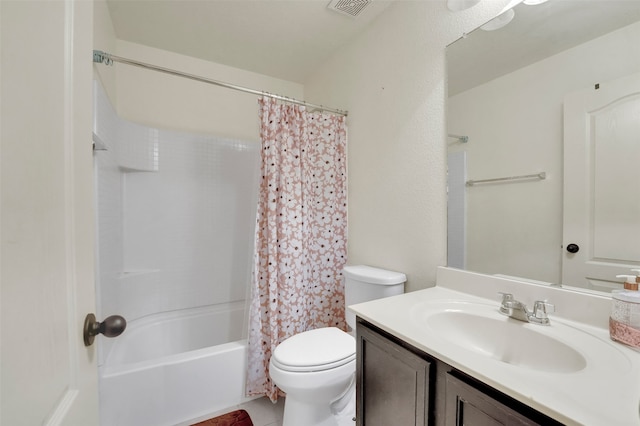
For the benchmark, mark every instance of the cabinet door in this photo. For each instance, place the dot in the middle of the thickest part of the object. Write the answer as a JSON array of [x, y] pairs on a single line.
[[467, 405], [393, 383]]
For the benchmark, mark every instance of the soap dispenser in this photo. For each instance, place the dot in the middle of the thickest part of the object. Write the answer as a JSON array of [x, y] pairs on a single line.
[[624, 322]]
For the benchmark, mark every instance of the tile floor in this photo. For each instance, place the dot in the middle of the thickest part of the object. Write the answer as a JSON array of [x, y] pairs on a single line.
[[265, 413], [262, 412]]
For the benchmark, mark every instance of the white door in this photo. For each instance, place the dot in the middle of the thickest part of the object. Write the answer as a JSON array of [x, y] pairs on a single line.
[[48, 376], [602, 184]]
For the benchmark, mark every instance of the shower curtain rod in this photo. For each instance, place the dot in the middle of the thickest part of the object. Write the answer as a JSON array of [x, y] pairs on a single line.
[[108, 59]]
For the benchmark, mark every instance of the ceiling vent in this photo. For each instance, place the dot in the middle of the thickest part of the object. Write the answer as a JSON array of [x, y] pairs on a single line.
[[348, 7]]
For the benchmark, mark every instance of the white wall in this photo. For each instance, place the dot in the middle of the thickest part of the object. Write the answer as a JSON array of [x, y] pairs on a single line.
[[515, 127], [104, 39], [392, 79], [166, 101]]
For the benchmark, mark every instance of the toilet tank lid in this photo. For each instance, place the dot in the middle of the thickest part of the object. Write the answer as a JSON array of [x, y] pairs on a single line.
[[373, 275]]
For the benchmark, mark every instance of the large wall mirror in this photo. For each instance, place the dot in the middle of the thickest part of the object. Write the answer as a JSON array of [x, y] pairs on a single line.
[[544, 145]]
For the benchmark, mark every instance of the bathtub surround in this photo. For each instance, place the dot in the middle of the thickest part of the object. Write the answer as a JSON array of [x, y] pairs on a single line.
[[175, 238], [170, 377], [300, 233]]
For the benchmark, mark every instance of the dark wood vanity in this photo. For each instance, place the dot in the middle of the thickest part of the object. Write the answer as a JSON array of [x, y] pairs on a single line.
[[400, 385]]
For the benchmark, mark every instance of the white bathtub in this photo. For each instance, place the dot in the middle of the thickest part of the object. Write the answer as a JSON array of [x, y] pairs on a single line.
[[169, 368]]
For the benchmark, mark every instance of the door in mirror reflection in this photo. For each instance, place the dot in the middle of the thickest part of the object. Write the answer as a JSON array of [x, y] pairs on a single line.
[[602, 183]]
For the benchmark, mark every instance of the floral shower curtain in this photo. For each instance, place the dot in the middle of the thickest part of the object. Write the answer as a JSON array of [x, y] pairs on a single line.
[[300, 235]]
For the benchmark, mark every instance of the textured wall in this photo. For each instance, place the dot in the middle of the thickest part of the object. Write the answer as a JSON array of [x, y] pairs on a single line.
[[392, 79], [161, 100], [165, 101]]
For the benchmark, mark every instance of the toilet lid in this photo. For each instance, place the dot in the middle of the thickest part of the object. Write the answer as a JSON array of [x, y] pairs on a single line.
[[315, 350]]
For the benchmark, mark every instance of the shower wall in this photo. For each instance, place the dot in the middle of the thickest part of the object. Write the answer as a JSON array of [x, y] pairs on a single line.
[[176, 214]]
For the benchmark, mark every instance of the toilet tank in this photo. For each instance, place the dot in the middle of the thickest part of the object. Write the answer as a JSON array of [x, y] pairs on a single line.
[[363, 283]]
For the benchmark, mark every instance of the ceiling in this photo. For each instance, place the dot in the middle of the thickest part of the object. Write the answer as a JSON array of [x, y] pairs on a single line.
[[289, 39], [286, 39]]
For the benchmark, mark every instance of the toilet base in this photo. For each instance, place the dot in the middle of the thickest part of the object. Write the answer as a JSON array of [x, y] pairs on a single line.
[[298, 413], [339, 413]]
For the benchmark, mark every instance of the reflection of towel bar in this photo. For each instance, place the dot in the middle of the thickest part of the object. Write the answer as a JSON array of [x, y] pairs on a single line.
[[541, 175]]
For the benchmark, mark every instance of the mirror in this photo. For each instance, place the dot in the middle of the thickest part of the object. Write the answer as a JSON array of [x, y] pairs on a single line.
[[511, 93]]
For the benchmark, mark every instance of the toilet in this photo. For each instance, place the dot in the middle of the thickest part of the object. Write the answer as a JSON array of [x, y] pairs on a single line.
[[316, 368]]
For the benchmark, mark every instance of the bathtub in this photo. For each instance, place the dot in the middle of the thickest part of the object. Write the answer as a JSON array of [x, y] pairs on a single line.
[[169, 368]]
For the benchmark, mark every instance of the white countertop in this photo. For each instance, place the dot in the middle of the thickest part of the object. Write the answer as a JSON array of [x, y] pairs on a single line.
[[604, 393]]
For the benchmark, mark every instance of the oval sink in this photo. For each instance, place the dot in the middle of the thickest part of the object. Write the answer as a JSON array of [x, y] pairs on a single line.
[[506, 340]]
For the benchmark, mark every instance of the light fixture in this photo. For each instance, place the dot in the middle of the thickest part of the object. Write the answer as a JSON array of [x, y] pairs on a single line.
[[499, 21], [458, 5], [534, 2]]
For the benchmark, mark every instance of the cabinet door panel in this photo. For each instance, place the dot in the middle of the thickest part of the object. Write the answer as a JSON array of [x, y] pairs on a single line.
[[467, 405], [393, 383], [474, 416]]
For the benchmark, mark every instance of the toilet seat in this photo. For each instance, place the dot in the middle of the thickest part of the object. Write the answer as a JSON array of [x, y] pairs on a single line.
[[315, 350]]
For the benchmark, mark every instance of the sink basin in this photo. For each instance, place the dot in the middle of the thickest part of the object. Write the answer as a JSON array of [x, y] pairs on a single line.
[[486, 332], [570, 370]]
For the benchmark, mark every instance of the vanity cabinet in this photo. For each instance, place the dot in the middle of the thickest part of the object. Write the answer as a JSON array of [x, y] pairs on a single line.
[[467, 405], [393, 382], [400, 385]]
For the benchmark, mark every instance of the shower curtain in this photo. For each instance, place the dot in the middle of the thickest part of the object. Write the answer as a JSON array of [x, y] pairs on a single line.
[[300, 234]]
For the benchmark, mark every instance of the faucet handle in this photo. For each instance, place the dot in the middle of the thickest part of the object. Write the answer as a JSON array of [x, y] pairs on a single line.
[[541, 308], [507, 300], [506, 297], [507, 303]]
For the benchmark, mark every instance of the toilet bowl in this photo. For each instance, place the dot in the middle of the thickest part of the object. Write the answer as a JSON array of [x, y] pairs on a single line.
[[316, 368]]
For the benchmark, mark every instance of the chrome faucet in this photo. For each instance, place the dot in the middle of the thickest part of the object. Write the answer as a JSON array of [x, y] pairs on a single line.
[[518, 310]]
